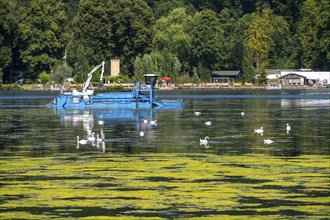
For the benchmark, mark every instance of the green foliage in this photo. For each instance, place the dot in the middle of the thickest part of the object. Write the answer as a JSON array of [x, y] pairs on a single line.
[[171, 32], [161, 63], [9, 34], [44, 77], [61, 72], [203, 73], [143, 65], [43, 35], [249, 72], [306, 35], [115, 87], [122, 78], [92, 32], [185, 33], [185, 78], [324, 34], [258, 38], [207, 40], [132, 21], [10, 87]]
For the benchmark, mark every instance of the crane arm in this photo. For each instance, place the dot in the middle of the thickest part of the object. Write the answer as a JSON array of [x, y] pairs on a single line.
[[90, 75]]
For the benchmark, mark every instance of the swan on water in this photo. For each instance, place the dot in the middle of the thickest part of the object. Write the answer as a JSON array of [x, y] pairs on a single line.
[[98, 139], [91, 138], [208, 123], [81, 142], [154, 122], [204, 141], [259, 130], [145, 121], [242, 113], [288, 128], [141, 133], [268, 141], [197, 113], [101, 122]]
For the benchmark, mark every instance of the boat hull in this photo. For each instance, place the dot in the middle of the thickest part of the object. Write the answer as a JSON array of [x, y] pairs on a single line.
[[113, 101]]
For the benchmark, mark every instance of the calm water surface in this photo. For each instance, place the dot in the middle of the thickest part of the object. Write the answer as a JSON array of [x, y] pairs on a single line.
[[167, 173]]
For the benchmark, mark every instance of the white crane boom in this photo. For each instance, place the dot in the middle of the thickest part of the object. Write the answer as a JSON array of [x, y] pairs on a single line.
[[90, 75]]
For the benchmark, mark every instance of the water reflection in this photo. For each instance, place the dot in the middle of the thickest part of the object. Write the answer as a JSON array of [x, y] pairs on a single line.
[[97, 124], [228, 121]]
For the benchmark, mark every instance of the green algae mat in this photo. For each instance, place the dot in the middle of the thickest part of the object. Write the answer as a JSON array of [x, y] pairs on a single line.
[[164, 186]]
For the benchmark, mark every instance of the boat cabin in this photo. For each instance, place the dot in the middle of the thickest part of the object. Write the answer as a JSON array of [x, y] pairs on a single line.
[[150, 79]]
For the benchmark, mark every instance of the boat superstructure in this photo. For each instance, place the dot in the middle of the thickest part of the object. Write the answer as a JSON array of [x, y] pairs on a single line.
[[141, 97]]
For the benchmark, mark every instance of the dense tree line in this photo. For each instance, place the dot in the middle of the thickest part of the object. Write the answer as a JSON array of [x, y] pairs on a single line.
[[184, 39]]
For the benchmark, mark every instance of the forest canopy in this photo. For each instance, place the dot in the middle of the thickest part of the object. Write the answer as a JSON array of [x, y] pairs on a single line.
[[183, 39]]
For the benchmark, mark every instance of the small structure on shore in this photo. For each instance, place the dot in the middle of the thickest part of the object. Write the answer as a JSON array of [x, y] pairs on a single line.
[[226, 76]]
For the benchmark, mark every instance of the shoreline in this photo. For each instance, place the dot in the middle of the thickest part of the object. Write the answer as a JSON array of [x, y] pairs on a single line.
[[130, 86]]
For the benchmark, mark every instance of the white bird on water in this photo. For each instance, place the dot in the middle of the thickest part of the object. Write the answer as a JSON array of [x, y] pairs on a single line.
[[208, 123], [141, 133], [98, 139], [145, 121], [259, 130], [268, 141], [154, 122], [91, 138], [197, 113], [288, 128], [81, 142], [204, 141], [101, 122], [242, 113]]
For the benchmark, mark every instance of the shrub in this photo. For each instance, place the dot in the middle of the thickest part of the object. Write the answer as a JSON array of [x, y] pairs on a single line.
[[45, 78]]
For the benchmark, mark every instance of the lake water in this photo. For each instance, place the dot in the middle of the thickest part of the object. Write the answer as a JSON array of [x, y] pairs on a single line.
[[167, 173]]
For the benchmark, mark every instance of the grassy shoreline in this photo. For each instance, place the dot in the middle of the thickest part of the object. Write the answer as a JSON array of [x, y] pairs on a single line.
[[129, 86]]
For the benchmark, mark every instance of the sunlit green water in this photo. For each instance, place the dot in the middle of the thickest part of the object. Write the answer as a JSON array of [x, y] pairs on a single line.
[[167, 174], [197, 186]]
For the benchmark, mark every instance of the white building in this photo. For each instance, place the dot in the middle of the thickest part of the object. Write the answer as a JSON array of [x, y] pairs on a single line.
[[302, 76]]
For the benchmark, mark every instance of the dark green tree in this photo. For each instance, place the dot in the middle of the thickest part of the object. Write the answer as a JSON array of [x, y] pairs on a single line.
[[92, 33], [307, 33], [227, 23], [171, 33], [258, 38], [207, 40], [8, 37], [161, 63], [323, 61], [132, 33], [249, 72], [43, 38]]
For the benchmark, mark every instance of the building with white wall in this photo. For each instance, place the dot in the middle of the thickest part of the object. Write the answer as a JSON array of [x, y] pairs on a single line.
[[300, 76]]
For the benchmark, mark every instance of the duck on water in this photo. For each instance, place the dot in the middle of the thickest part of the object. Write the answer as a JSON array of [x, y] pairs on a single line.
[[141, 97]]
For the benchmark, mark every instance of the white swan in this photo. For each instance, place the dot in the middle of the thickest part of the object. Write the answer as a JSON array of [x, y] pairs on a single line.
[[268, 141], [81, 142], [242, 113], [204, 141], [288, 128], [197, 113], [141, 133], [98, 139], [91, 138], [154, 122], [101, 122], [208, 123], [259, 130], [145, 121]]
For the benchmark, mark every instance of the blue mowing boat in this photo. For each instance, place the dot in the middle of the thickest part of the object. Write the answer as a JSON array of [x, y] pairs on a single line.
[[142, 96]]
